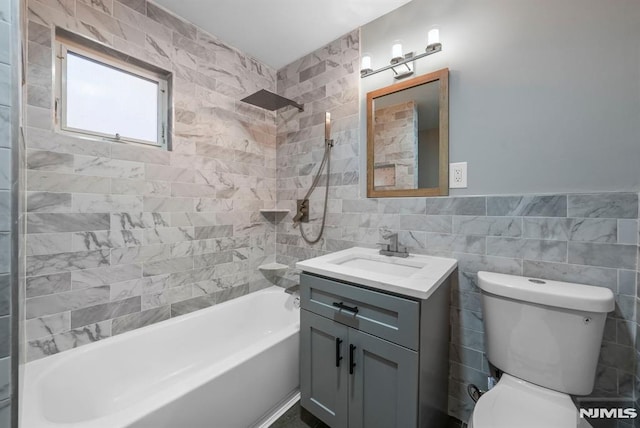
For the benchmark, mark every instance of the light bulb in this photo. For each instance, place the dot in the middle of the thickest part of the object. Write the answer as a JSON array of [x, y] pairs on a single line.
[[396, 49], [433, 37], [366, 62]]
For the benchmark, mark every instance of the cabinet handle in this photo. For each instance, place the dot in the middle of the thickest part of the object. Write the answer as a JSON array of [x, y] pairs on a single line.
[[352, 364], [338, 357], [341, 305]]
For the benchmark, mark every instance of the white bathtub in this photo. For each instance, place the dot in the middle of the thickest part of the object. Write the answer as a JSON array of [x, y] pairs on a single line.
[[227, 366]]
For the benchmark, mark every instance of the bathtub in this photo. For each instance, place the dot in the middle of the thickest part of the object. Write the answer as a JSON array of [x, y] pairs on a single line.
[[231, 365]]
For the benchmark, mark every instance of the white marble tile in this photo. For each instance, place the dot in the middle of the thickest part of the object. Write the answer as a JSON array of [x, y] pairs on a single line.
[[37, 328], [63, 302], [48, 284], [62, 262], [139, 220], [105, 311], [53, 344], [168, 296], [105, 167], [49, 161], [48, 202], [86, 278], [168, 235], [82, 241], [97, 203], [66, 222], [48, 243], [56, 182]]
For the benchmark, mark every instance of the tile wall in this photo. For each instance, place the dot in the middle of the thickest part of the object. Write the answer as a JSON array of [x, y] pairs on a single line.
[[8, 182], [396, 146], [121, 236], [585, 238]]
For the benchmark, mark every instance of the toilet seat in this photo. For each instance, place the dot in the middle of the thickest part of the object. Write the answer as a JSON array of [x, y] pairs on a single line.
[[516, 403]]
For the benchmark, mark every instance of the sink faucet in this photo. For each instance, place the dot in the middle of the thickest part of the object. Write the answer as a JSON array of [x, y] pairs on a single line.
[[392, 248]]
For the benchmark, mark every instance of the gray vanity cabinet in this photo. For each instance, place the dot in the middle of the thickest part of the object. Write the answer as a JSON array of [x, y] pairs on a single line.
[[384, 388], [361, 362], [352, 379], [323, 369]]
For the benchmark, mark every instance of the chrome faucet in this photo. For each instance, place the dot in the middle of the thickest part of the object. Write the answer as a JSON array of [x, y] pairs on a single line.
[[392, 248]]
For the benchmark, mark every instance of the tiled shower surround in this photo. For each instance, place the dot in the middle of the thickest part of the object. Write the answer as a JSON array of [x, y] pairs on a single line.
[[121, 236], [585, 238]]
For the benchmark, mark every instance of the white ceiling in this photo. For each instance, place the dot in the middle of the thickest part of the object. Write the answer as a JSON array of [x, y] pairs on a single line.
[[277, 32]]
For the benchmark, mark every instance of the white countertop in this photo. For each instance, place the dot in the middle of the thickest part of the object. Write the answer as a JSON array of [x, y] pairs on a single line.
[[418, 276]]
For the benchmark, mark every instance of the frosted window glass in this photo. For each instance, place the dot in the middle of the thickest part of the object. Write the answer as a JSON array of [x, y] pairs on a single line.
[[102, 99]]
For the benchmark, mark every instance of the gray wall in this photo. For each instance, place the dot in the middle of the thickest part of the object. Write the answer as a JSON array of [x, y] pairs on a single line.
[[544, 95]]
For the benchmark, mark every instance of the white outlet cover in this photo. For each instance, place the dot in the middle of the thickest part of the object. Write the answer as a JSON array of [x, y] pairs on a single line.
[[458, 175]]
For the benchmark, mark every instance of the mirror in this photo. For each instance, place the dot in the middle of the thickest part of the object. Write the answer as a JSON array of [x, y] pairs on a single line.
[[408, 138]]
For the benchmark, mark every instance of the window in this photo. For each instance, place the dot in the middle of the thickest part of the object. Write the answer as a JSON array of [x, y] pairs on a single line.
[[103, 96]]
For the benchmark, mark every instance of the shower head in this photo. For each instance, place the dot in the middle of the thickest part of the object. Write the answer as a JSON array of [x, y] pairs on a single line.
[[270, 101]]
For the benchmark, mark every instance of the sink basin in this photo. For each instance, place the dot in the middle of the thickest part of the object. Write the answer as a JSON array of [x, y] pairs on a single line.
[[415, 276], [386, 267]]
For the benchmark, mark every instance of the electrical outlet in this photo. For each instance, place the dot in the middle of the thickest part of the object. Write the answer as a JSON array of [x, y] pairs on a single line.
[[458, 175]]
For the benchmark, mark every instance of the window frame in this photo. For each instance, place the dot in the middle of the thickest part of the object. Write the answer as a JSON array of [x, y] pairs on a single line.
[[63, 47]]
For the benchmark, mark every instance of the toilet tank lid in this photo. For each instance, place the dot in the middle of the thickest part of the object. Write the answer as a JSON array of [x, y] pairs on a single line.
[[567, 295]]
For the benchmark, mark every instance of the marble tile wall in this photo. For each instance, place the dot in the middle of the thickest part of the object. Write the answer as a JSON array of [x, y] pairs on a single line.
[[121, 236], [584, 238], [396, 146], [8, 238]]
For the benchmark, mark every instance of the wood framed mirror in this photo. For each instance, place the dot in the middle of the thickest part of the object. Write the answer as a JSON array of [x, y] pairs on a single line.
[[408, 138]]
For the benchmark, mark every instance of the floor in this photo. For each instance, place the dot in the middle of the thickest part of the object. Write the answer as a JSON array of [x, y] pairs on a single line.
[[297, 417]]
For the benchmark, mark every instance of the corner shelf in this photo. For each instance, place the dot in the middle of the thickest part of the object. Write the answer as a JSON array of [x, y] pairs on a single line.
[[274, 215], [272, 267]]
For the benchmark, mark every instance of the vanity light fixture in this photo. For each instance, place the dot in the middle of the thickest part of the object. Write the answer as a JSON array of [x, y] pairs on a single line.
[[402, 64]]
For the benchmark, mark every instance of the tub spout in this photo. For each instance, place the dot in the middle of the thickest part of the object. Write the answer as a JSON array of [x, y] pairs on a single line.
[[292, 289]]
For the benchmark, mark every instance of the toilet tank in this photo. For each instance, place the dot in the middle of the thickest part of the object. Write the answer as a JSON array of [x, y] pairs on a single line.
[[545, 332]]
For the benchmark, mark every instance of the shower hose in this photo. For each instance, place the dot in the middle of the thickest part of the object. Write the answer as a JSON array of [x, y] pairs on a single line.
[[326, 160]]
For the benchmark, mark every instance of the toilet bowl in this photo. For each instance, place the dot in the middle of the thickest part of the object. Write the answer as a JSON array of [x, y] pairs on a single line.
[[545, 337], [515, 403]]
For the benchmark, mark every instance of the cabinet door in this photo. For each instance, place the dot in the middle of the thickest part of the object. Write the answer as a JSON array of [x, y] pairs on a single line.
[[384, 385], [324, 373]]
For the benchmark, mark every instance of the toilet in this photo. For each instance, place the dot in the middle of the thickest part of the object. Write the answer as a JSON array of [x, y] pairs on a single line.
[[544, 337]]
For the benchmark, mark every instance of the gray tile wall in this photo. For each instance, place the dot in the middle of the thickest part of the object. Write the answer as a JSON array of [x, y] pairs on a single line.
[[8, 105], [584, 238], [121, 236]]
